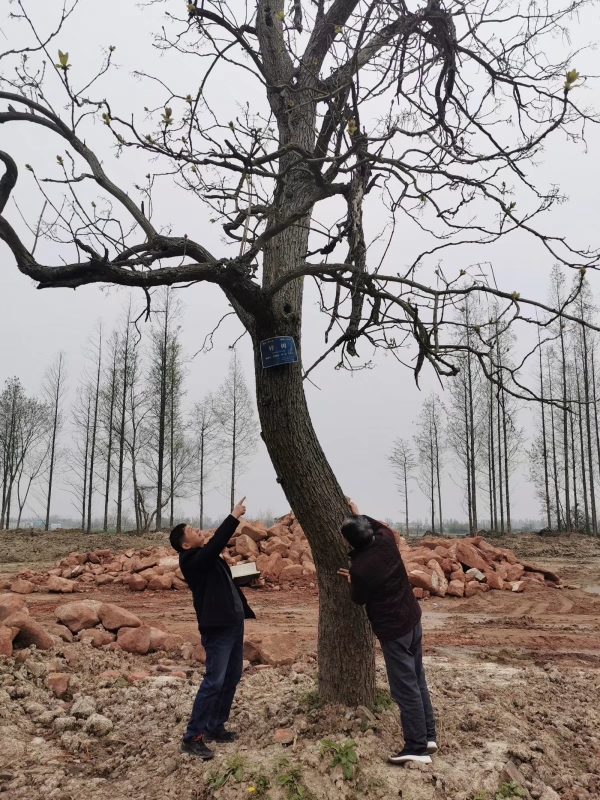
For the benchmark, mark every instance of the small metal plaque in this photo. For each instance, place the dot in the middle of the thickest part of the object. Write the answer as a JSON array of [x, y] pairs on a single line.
[[278, 350]]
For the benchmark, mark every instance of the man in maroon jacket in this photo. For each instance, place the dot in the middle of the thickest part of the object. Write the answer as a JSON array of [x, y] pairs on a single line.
[[378, 580]]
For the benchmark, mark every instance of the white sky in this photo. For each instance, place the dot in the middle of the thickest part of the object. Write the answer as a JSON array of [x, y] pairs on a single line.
[[356, 416]]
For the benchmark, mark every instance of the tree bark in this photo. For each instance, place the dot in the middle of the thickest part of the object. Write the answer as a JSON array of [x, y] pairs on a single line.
[[346, 660]]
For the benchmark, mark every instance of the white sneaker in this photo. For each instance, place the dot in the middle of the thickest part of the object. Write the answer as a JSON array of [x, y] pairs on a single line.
[[404, 757], [432, 748]]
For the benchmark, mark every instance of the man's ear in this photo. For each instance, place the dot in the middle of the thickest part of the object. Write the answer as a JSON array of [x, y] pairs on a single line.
[[185, 545]]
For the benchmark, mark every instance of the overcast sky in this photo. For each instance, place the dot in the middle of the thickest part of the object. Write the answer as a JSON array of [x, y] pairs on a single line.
[[356, 416]]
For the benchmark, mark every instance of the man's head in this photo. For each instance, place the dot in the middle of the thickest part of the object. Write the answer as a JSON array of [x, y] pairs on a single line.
[[184, 537], [357, 531]]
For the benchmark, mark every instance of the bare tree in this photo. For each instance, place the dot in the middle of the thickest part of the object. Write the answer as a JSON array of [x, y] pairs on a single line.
[[95, 354], [54, 391], [403, 463], [430, 448], [204, 427], [443, 157], [234, 411], [23, 428], [107, 419]]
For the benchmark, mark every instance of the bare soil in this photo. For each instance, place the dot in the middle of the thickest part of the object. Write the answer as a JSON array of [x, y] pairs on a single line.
[[514, 677]]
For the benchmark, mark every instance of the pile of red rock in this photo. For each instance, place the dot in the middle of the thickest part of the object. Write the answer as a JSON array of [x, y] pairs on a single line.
[[113, 626], [464, 567], [455, 567], [282, 555]]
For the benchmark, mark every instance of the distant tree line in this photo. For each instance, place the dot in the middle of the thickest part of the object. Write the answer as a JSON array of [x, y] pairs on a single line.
[[125, 448]]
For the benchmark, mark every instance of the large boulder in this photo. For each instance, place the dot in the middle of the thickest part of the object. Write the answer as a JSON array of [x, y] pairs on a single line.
[[279, 649], [28, 632], [291, 573], [442, 586], [79, 615], [10, 603], [424, 578], [136, 583], [135, 640], [255, 530], [274, 545], [245, 546], [273, 566], [161, 582], [514, 572], [469, 556], [114, 617], [6, 639], [278, 530], [456, 589], [22, 586], [96, 636], [60, 585], [161, 640]]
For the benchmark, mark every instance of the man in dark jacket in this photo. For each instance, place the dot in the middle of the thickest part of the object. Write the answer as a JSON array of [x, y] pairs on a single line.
[[221, 609], [379, 581]]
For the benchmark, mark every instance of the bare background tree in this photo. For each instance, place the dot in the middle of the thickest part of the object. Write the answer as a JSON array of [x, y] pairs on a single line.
[[233, 408], [403, 463]]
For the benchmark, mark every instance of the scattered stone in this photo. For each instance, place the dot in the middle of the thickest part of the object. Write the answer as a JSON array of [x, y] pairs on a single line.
[[84, 707], [58, 683], [98, 725], [283, 736]]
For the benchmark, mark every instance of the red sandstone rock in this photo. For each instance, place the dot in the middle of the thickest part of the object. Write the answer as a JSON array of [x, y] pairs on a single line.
[[80, 615], [21, 586], [10, 603], [58, 683], [6, 640], [62, 585], [135, 640]]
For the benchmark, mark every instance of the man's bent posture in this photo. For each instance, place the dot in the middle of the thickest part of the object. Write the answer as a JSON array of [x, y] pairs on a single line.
[[378, 580], [221, 609]]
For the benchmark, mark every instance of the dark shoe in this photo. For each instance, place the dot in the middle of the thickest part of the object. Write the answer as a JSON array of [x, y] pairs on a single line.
[[223, 736], [405, 756], [195, 746]]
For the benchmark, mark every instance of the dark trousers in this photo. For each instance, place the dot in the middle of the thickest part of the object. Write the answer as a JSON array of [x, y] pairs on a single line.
[[408, 687], [224, 649]]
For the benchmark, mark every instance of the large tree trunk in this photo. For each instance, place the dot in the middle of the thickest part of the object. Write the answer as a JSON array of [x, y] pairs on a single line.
[[346, 660]]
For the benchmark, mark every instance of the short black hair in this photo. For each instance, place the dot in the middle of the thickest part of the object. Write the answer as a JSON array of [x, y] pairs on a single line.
[[177, 536], [357, 531]]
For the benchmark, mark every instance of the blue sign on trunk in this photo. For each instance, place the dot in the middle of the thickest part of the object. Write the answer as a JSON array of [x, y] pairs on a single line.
[[278, 350]]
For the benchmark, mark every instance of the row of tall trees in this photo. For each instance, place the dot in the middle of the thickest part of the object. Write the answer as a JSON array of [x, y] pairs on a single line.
[[475, 432], [134, 450], [565, 452]]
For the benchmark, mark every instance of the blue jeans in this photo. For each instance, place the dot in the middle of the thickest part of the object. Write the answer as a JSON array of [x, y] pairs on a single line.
[[408, 687], [224, 649]]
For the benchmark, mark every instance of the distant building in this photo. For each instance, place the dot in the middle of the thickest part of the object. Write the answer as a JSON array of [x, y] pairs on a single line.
[[55, 526]]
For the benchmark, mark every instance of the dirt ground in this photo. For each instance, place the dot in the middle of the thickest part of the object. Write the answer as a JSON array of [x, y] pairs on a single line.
[[513, 677]]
